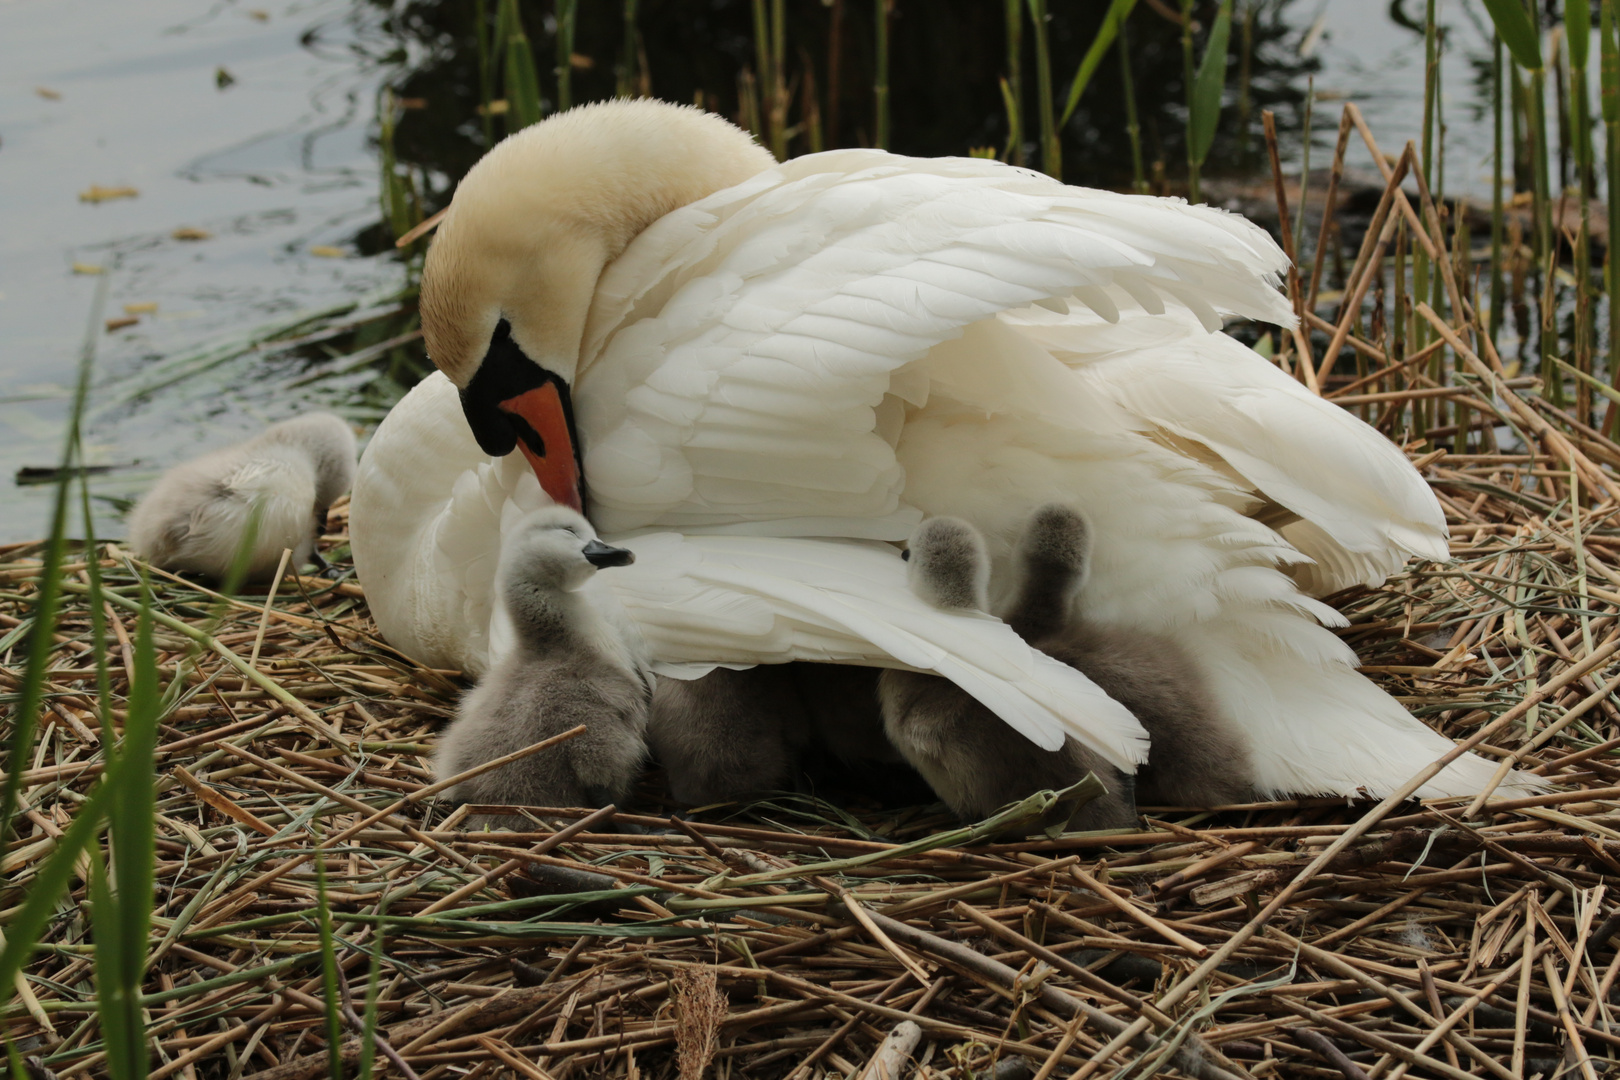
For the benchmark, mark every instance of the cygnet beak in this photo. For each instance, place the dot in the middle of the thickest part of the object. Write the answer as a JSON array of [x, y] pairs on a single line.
[[599, 555]]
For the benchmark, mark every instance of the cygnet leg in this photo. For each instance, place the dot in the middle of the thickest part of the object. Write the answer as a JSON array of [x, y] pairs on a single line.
[[728, 734], [976, 763]]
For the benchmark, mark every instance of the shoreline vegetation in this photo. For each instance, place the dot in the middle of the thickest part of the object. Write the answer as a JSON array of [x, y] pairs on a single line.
[[223, 851]]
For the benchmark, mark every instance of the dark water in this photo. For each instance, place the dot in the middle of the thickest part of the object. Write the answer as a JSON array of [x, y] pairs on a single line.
[[255, 122]]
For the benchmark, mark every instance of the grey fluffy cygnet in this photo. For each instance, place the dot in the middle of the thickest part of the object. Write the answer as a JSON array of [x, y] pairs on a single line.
[[968, 755], [1196, 757], [569, 666], [728, 734], [280, 483]]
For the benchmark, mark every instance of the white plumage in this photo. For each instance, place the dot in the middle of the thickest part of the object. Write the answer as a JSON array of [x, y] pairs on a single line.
[[785, 371]]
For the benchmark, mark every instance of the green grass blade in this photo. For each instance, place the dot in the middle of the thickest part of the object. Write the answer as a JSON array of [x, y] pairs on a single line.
[[1578, 31], [98, 610], [567, 12], [1118, 12], [1609, 64], [28, 926], [627, 56], [368, 1040], [1518, 33], [1595, 383], [1051, 146], [15, 1061], [486, 86], [1209, 85], [880, 81], [132, 827], [329, 974], [522, 80], [1012, 84], [121, 1030], [25, 713]]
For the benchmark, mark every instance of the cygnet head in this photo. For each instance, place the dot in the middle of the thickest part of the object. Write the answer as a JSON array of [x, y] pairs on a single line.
[[329, 442], [1056, 545], [947, 564], [555, 550]]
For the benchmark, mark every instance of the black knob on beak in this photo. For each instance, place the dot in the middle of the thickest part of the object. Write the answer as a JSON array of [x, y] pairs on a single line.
[[599, 554]]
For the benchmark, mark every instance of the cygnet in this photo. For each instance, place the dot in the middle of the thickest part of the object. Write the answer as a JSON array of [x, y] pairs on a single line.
[[1196, 757], [729, 733], [569, 666], [968, 755], [272, 490]]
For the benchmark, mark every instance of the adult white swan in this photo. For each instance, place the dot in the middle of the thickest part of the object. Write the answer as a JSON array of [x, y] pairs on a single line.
[[761, 370]]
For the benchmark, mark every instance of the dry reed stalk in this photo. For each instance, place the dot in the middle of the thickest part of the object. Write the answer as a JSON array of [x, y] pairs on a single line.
[[1460, 937]]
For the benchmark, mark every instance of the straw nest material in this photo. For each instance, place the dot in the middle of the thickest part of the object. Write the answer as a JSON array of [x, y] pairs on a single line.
[[797, 937]]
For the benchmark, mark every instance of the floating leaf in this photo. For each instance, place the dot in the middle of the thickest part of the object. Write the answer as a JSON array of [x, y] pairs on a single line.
[[47, 93], [223, 78], [121, 322], [1517, 31], [145, 307], [95, 193], [86, 268], [186, 232], [327, 251]]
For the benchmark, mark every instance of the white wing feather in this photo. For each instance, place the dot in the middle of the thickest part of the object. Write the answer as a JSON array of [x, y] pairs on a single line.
[[1365, 509], [739, 352]]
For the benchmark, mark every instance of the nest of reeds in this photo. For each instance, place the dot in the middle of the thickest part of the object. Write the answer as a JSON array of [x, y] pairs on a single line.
[[318, 911], [317, 907]]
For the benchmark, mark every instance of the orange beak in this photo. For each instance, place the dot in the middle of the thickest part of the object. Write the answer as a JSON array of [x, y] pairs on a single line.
[[555, 463]]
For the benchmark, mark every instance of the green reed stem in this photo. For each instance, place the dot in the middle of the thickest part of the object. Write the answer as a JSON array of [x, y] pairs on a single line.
[[880, 84], [567, 16], [1609, 84], [1133, 127], [1305, 172], [627, 53], [1245, 94], [1051, 148], [1578, 32], [1187, 77], [486, 72], [1498, 283], [1012, 87]]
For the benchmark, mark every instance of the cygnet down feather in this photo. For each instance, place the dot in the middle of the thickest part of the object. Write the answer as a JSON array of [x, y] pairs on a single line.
[[270, 493], [568, 666], [968, 755], [1197, 756], [728, 734]]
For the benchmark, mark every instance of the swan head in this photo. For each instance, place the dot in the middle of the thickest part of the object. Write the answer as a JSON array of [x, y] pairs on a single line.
[[509, 279], [947, 565], [555, 550]]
